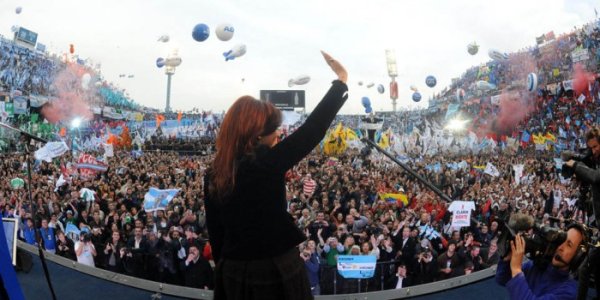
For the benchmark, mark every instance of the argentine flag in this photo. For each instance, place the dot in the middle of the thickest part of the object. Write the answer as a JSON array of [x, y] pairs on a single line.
[[156, 199]]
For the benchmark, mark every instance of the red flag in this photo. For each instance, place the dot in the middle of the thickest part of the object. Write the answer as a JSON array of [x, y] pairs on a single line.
[[159, 119], [179, 116]]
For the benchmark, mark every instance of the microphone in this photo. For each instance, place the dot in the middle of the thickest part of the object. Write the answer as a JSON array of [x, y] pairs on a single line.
[[557, 257]]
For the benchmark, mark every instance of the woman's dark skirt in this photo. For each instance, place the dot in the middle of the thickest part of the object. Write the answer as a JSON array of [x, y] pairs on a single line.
[[281, 277]]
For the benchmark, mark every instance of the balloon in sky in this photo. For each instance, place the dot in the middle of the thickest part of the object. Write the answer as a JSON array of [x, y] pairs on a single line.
[[366, 102], [300, 80], [85, 81], [414, 88], [473, 48], [160, 62], [164, 38], [381, 89], [532, 82], [236, 51], [416, 96], [71, 49], [224, 32], [360, 83], [368, 110], [14, 28], [370, 85], [430, 81], [497, 55], [18, 10], [200, 32]]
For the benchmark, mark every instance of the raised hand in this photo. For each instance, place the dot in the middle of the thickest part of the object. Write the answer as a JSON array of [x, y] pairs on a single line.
[[337, 68]]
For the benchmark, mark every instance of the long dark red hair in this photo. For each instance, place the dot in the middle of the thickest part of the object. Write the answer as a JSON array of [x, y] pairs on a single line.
[[246, 120]]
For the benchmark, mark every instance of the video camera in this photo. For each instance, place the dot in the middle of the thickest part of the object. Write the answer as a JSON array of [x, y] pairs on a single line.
[[584, 156], [541, 241]]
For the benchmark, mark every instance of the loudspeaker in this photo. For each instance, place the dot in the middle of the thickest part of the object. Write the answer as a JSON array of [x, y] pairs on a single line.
[[24, 261]]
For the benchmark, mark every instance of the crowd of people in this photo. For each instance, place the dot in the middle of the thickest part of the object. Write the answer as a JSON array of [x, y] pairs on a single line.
[[24, 70], [338, 203]]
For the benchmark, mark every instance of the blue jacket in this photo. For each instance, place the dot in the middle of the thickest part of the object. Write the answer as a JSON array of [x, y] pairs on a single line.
[[534, 283], [29, 235], [49, 238], [312, 267]]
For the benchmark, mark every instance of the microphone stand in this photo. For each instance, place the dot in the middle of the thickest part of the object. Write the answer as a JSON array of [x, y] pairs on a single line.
[[424, 181], [29, 140]]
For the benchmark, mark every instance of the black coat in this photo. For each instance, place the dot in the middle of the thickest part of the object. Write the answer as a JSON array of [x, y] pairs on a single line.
[[253, 222], [406, 282], [198, 274]]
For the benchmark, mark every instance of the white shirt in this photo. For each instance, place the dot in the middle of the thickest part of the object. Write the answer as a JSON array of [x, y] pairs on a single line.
[[86, 257], [399, 284]]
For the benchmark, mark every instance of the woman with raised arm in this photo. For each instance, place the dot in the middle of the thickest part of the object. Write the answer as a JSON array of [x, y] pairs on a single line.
[[253, 237]]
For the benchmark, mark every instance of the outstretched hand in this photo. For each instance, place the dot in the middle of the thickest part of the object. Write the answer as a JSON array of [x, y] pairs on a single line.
[[336, 66], [517, 248]]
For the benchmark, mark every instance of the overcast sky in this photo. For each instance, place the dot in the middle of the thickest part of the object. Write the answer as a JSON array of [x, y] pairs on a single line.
[[283, 40]]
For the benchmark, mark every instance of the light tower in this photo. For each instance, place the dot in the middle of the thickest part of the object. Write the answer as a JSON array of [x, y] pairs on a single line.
[[172, 62], [390, 58]]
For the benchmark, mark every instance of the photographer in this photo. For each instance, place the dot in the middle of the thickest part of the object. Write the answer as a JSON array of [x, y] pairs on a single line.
[[313, 266], [529, 281], [85, 250]]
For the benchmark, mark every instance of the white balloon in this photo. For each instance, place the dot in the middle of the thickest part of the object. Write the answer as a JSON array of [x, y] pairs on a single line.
[[164, 38], [370, 85], [18, 10], [224, 31], [300, 80]]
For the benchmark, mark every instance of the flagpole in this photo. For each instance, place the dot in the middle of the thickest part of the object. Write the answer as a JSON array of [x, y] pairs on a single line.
[[432, 187]]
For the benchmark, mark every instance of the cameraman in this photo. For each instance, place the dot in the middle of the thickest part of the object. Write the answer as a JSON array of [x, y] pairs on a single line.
[[590, 175], [526, 281]]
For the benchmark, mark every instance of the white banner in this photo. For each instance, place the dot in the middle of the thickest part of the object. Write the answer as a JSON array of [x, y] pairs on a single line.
[[518, 172], [580, 54], [461, 213], [490, 169], [51, 150]]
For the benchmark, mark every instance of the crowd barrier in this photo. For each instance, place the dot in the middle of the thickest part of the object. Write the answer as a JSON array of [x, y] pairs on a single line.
[[72, 280]]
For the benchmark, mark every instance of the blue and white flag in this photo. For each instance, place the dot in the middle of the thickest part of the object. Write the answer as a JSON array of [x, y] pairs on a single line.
[[156, 199], [72, 231], [356, 266]]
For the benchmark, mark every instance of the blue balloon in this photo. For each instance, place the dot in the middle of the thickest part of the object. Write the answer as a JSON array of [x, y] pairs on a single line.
[[430, 81], [366, 102], [368, 109], [160, 62], [200, 32], [416, 97], [381, 88]]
